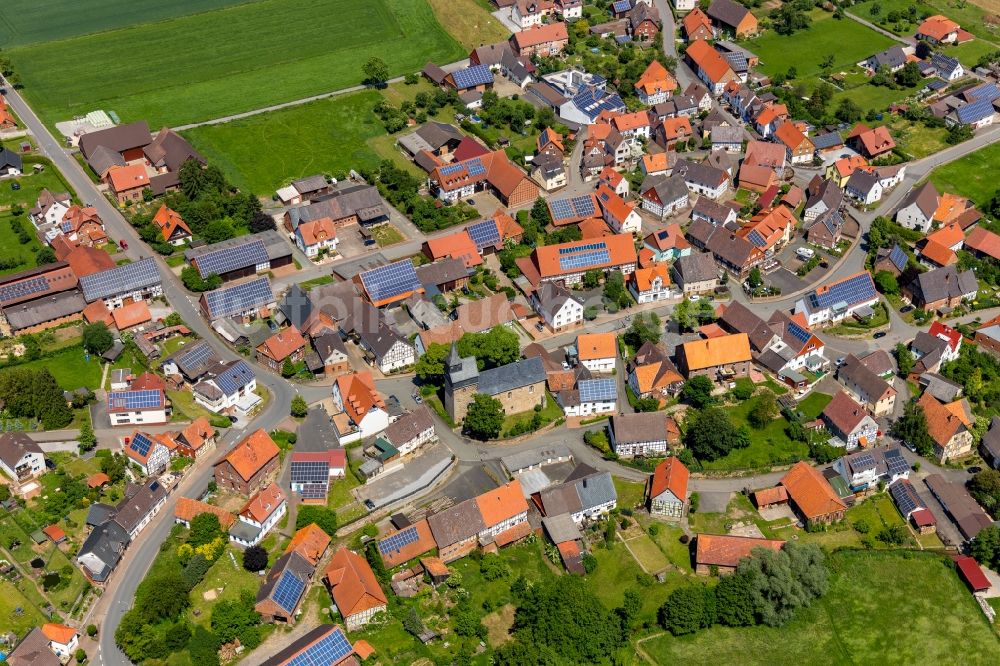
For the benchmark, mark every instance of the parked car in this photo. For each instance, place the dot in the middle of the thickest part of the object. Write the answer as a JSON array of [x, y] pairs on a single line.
[[805, 252], [840, 361], [880, 334], [122, 245], [694, 298], [417, 398], [539, 327], [906, 308]]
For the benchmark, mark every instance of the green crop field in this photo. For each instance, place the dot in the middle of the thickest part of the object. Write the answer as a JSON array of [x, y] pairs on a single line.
[[847, 41], [881, 607], [192, 68], [973, 175], [30, 21]]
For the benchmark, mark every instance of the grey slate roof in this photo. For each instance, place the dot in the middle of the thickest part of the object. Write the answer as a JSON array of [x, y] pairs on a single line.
[[595, 489], [14, 446], [991, 440], [274, 244], [408, 426], [862, 181], [442, 272], [727, 12], [382, 340], [131, 510], [551, 297], [193, 360], [668, 188], [33, 651], [361, 200], [460, 522], [925, 197], [309, 184], [48, 308], [857, 373], [893, 57], [99, 513], [940, 387], [696, 267], [561, 528], [639, 427], [946, 283], [828, 140], [460, 370], [8, 158], [511, 376], [106, 543], [118, 139]]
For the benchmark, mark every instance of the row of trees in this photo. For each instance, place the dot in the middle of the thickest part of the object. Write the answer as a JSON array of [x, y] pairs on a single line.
[[33, 393], [767, 588]]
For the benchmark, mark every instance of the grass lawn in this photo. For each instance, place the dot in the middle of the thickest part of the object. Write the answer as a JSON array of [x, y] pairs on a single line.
[[858, 621], [768, 446], [630, 494], [170, 345], [70, 368], [316, 282], [668, 539], [647, 554], [325, 136], [298, 49], [814, 404], [11, 600], [550, 412], [386, 235], [970, 52], [232, 579], [185, 408], [469, 23], [64, 598], [31, 184], [972, 176], [917, 139], [848, 41]]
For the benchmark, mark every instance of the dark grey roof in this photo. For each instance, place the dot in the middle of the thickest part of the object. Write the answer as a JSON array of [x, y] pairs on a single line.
[[244, 531], [969, 517], [490, 54], [460, 369], [828, 140], [14, 446], [118, 139], [8, 158], [48, 308], [668, 188], [991, 440], [438, 134], [208, 390], [595, 490], [310, 184], [442, 272], [359, 200], [924, 343], [561, 528], [827, 192], [381, 340], [700, 173], [169, 149], [639, 427], [296, 306], [408, 426], [940, 387], [878, 362], [738, 318], [105, 543], [193, 360], [696, 267], [862, 181], [458, 523], [131, 510], [559, 500], [727, 134], [276, 246], [327, 343], [511, 376], [945, 283], [893, 57], [551, 297], [717, 212], [857, 373], [33, 651], [727, 12], [123, 279]]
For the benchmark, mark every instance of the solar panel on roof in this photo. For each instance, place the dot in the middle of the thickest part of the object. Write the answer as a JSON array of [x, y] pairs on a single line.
[[452, 169], [140, 444], [390, 280], [857, 289], [328, 650], [898, 258], [288, 591], [123, 279], [599, 245], [476, 167], [239, 298], [583, 205], [598, 390], [756, 238], [24, 288], [975, 111], [470, 77], [905, 500], [135, 399], [228, 259], [799, 333], [584, 260], [234, 378], [484, 234], [623, 5], [396, 542], [196, 355]]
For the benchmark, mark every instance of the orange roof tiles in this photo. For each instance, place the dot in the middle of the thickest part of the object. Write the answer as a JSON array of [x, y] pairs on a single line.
[[458, 245], [938, 253], [283, 344], [501, 503], [812, 494], [353, 585], [877, 141], [98, 312], [708, 60], [655, 79], [548, 136], [98, 480], [621, 249], [252, 454], [694, 20], [677, 128], [264, 503], [672, 475], [131, 314], [59, 633], [644, 277], [700, 354], [594, 346], [363, 649], [54, 532], [359, 395], [790, 136], [942, 423], [317, 231], [88, 260], [541, 34], [937, 27], [984, 241], [198, 432], [168, 221], [424, 543], [949, 207], [755, 177], [613, 205], [595, 227], [310, 542], [186, 509], [670, 237], [630, 121], [654, 162], [845, 166], [949, 235], [769, 496], [129, 177], [724, 550]]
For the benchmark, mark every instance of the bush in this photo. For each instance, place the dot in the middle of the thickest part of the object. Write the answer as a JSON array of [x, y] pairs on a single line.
[[91, 630], [589, 563]]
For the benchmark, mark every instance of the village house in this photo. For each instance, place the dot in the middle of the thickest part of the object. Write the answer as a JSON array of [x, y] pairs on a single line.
[[939, 29], [411, 430], [949, 425], [652, 284], [249, 465], [849, 422], [597, 351], [941, 288], [722, 552], [232, 385], [812, 495], [589, 396], [863, 470], [147, 452], [285, 345], [822, 196], [172, 227], [655, 85], [259, 516], [652, 374], [311, 542], [284, 588], [566, 263], [871, 142], [710, 66], [145, 407], [360, 410], [666, 490], [542, 40], [731, 251], [798, 148], [21, 459], [866, 387], [356, 593], [664, 196], [186, 509], [316, 237], [586, 495], [833, 302], [696, 274], [557, 306], [139, 506], [723, 358]]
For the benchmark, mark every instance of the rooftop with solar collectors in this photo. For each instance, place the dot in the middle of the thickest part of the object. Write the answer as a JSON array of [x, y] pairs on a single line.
[[239, 298], [329, 650], [398, 540], [132, 401], [597, 390], [855, 289], [235, 377], [574, 208], [471, 77], [228, 259], [390, 281], [484, 234], [140, 444], [288, 591], [123, 279]]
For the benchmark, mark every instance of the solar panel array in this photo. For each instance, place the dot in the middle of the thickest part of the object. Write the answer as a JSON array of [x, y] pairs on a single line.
[[451, 169], [584, 260], [288, 591], [11, 292], [799, 333], [592, 102], [737, 60], [313, 476], [470, 77], [141, 444], [135, 399], [328, 650], [390, 280], [975, 111], [622, 6], [756, 238], [598, 390], [863, 461], [857, 289], [122, 279], [898, 258], [229, 301], [906, 499], [484, 234], [895, 463], [582, 206], [227, 259], [195, 356], [398, 540], [475, 167], [234, 378]]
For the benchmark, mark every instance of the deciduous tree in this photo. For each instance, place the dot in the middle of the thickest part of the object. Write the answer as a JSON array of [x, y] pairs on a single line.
[[97, 339], [484, 418], [710, 434]]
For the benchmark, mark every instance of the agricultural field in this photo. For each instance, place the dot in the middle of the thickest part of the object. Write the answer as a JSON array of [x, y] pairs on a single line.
[[858, 621], [973, 175], [234, 59], [469, 23]]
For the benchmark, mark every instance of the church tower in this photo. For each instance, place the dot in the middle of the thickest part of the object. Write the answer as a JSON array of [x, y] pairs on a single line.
[[461, 380]]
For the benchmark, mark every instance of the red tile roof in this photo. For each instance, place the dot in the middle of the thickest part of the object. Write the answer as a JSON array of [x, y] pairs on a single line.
[[310, 542], [656, 78], [54, 532], [620, 247], [283, 344], [124, 178], [169, 221], [672, 475], [131, 314], [59, 633], [424, 543], [972, 573], [264, 503], [984, 241], [88, 260], [458, 245], [98, 480], [812, 494], [937, 27], [317, 231], [726, 551], [359, 395], [353, 585], [709, 60], [186, 509], [252, 454], [501, 503], [542, 34]]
